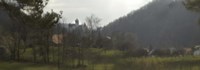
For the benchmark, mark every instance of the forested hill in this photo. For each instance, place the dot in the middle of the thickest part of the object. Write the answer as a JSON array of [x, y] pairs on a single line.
[[161, 23]]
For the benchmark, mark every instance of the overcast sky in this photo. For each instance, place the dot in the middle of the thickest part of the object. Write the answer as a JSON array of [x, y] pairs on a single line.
[[107, 10]]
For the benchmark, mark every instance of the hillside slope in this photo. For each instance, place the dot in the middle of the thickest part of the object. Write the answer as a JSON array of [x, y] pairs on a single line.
[[161, 23]]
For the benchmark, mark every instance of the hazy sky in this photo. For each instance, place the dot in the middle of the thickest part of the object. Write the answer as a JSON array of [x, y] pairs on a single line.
[[107, 10]]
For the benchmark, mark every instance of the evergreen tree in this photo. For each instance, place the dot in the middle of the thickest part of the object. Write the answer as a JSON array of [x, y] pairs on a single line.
[[32, 26]]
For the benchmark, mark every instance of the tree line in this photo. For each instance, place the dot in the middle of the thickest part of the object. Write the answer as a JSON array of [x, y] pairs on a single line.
[[29, 38]]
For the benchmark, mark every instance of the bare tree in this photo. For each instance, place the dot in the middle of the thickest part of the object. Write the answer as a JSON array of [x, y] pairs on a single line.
[[93, 21]]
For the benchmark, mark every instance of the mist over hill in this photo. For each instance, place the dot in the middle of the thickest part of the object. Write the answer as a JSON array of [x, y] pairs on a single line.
[[161, 23]]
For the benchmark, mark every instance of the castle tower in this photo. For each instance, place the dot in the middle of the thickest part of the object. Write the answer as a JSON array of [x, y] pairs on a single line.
[[77, 22]]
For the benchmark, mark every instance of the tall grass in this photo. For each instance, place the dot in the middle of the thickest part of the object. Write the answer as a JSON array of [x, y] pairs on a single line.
[[100, 59]]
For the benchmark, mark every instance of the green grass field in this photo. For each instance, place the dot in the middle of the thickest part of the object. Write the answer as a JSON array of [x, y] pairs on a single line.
[[114, 60], [149, 63], [24, 66]]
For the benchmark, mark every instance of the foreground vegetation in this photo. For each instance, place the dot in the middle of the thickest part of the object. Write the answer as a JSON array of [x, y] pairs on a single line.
[[112, 60], [143, 63]]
